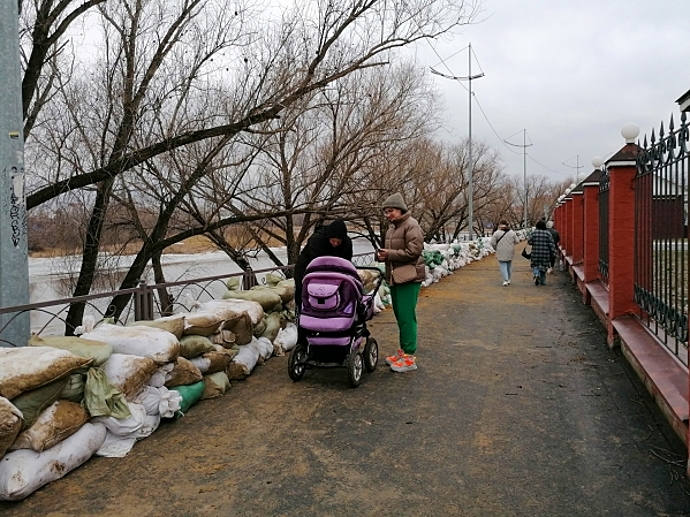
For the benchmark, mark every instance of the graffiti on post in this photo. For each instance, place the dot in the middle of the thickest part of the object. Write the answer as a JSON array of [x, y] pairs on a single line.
[[17, 207]]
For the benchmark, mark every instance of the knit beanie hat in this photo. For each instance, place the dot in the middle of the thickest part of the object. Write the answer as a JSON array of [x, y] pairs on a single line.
[[337, 230], [395, 201]]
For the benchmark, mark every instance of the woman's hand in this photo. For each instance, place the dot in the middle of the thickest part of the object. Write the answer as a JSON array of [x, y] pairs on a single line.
[[381, 255]]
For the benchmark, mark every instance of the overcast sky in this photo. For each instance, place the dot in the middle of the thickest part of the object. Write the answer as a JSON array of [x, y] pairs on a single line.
[[572, 73]]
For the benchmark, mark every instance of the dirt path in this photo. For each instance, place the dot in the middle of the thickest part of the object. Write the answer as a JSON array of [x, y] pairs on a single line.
[[517, 409]]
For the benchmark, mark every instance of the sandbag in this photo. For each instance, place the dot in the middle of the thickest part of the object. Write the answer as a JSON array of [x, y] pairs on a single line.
[[99, 351], [265, 296], [215, 385], [286, 339], [202, 323], [190, 395], [159, 345], [29, 367], [224, 338], [218, 360], [24, 471], [243, 328], [101, 398], [159, 401], [275, 321], [243, 363], [31, 403], [264, 346], [174, 324], [58, 421], [128, 373], [237, 306], [183, 372], [10, 424], [193, 346], [74, 389]]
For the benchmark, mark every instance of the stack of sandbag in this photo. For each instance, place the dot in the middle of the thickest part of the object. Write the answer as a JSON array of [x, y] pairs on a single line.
[[38, 427]]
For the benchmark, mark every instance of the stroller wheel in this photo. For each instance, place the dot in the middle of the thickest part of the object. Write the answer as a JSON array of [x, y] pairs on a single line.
[[371, 354], [297, 361], [355, 367]]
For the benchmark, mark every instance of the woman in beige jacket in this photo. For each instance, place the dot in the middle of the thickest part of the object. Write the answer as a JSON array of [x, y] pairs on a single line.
[[503, 241], [404, 273]]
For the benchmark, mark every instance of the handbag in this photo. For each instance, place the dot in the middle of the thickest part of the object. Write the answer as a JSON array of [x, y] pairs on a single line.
[[404, 274], [525, 254]]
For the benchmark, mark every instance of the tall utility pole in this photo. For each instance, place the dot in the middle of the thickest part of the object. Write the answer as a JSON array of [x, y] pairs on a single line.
[[524, 146], [470, 186], [14, 265]]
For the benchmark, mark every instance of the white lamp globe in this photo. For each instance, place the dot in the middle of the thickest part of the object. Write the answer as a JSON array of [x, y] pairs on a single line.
[[567, 191], [572, 186], [598, 162], [630, 132]]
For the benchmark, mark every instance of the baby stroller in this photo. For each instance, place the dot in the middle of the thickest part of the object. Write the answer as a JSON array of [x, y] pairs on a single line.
[[332, 329]]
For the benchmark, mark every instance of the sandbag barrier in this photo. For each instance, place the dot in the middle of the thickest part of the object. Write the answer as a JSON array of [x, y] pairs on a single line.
[[66, 399]]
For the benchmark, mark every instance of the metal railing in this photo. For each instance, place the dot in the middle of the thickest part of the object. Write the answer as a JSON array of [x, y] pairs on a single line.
[[661, 236], [144, 300]]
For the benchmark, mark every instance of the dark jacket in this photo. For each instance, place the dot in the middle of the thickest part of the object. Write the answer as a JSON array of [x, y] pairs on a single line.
[[318, 245], [542, 248], [555, 235]]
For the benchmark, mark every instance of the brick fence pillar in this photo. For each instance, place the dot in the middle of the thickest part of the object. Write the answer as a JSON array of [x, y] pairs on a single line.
[[590, 259], [622, 168], [578, 224]]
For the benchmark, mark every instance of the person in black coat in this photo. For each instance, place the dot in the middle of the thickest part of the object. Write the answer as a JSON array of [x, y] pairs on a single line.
[[331, 240]]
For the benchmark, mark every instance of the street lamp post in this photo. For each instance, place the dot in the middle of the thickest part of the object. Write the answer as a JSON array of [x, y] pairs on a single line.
[[14, 268]]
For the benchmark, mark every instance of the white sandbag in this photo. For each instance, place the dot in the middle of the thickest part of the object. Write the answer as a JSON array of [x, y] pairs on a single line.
[[264, 346], [26, 368], [55, 423], [174, 324], [159, 401], [116, 446], [158, 378], [126, 426], [160, 345], [254, 309], [10, 424], [201, 362], [24, 471], [286, 338], [243, 363], [129, 373]]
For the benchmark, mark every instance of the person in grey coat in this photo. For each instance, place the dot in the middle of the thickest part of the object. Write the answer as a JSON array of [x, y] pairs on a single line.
[[503, 241], [543, 249]]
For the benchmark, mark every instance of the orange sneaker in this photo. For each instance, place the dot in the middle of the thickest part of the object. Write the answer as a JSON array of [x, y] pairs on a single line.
[[404, 364], [393, 358]]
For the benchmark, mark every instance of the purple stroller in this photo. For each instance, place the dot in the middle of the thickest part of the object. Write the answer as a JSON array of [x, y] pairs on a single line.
[[332, 330]]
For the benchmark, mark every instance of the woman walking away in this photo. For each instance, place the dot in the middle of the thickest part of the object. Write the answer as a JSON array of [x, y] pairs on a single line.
[[542, 250], [503, 241], [404, 273]]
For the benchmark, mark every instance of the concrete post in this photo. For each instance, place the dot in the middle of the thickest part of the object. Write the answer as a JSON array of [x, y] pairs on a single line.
[[14, 266]]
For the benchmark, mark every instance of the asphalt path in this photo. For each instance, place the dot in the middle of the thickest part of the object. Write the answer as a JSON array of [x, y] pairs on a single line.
[[518, 408]]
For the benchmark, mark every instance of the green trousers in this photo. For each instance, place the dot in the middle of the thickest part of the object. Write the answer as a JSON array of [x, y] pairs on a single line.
[[404, 298]]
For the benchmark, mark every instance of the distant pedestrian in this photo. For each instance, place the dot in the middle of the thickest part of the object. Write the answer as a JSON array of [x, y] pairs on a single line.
[[404, 273], [331, 240], [556, 239], [503, 241], [542, 250]]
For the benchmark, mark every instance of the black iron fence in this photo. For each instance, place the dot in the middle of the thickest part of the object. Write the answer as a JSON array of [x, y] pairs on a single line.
[[661, 244], [144, 301], [604, 183]]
